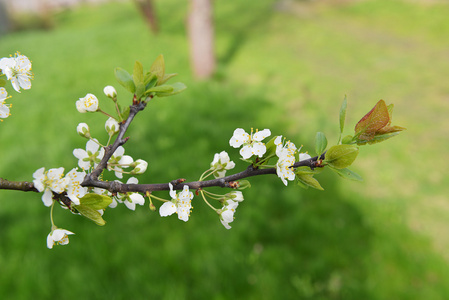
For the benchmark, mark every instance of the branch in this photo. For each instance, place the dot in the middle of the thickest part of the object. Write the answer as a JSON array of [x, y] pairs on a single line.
[[228, 181], [24, 186], [92, 178]]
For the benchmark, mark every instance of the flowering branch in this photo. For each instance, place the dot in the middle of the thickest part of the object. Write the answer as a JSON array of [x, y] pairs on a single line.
[[85, 192]]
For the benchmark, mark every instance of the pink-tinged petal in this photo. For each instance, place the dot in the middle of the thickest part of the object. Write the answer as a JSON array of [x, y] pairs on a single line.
[[47, 197], [167, 209], [246, 152]]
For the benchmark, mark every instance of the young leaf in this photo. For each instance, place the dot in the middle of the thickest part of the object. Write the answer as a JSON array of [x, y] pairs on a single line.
[[341, 156], [347, 174], [138, 73], [158, 68], [90, 213], [167, 77], [343, 108], [374, 120], [140, 90], [308, 180], [95, 201], [2, 82], [125, 79], [160, 88], [125, 113], [320, 143], [178, 87], [150, 80]]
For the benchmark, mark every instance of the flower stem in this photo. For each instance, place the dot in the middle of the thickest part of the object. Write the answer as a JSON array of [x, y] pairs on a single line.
[[207, 202]]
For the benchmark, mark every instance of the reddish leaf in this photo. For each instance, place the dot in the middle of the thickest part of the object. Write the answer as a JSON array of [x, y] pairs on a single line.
[[376, 119]]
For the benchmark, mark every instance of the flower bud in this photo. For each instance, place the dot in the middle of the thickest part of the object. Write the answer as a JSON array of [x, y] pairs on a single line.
[[235, 196], [88, 103], [83, 130], [110, 91], [111, 126], [140, 166]]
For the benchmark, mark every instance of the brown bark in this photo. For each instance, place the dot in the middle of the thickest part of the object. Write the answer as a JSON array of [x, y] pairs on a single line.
[[147, 9]]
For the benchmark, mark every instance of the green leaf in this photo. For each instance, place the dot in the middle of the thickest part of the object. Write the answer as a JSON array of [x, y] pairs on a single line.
[[2, 82], [158, 68], [347, 174], [320, 143], [308, 180], [95, 201], [178, 87], [125, 113], [341, 156], [347, 139], [150, 80], [140, 90], [343, 108], [167, 77], [125, 79], [91, 214], [160, 88], [138, 73]]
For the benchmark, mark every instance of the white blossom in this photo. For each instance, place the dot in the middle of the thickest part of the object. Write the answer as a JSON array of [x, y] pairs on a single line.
[[118, 161], [110, 91], [131, 199], [48, 182], [111, 126], [286, 153], [74, 189], [4, 108], [221, 163], [252, 144], [227, 213], [83, 130], [88, 103], [181, 204], [18, 70], [91, 156], [140, 166], [58, 236]]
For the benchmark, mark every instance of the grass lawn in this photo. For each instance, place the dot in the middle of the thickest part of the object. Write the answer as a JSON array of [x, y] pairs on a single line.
[[287, 69]]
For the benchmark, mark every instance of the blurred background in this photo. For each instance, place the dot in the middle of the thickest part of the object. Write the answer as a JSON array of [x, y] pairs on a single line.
[[279, 64]]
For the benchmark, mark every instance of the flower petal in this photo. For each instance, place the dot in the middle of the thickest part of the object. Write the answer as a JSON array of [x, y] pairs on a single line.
[[167, 209]]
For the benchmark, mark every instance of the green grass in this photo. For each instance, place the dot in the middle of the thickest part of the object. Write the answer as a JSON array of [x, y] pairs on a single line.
[[384, 238]]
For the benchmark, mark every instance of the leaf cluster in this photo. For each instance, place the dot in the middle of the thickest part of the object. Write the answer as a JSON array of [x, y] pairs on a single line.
[[146, 85]]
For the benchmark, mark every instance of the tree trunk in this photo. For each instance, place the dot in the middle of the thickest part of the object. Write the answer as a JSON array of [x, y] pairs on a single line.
[[147, 9], [201, 38]]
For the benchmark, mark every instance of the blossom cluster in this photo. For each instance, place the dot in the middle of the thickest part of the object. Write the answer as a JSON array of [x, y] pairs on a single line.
[[17, 69]]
